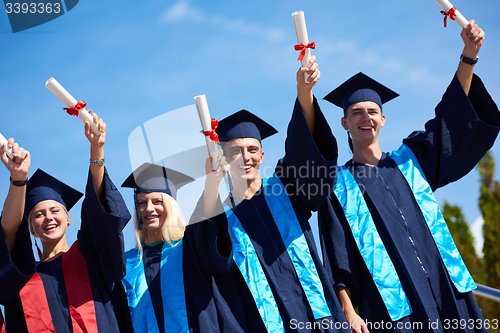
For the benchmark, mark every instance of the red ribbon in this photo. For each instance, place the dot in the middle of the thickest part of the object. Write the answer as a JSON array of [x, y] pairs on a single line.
[[75, 109], [451, 14], [212, 133], [302, 48]]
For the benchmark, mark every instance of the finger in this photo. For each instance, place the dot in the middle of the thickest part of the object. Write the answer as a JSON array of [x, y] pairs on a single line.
[[313, 68], [87, 128], [102, 126], [313, 59], [15, 148]]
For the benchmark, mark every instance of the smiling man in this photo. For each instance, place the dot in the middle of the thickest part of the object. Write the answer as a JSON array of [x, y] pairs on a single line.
[[267, 276], [406, 274]]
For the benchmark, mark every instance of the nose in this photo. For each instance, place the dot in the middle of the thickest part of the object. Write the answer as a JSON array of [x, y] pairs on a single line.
[[149, 206], [365, 116], [245, 155]]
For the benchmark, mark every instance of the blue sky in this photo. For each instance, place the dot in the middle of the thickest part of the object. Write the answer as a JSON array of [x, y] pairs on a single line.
[[135, 61]]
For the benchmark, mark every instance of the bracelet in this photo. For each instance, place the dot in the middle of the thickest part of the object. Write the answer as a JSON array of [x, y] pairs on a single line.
[[468, 60], [98, 162], [18, 182]]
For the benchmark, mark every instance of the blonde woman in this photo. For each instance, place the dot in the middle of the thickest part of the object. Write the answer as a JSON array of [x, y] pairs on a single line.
[[154, 282], [71, 288]]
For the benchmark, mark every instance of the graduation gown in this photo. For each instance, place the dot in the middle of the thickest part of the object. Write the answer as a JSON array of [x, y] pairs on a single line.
[[463, 130], [213, 278], [100, 246], [155, 289]]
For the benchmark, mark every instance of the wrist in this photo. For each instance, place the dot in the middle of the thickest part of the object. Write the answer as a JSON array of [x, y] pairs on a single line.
[[18, 182], [468, 60], [18, 175], [469, 53]]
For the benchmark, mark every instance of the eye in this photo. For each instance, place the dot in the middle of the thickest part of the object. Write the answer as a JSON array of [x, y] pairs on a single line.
[[158, 202]]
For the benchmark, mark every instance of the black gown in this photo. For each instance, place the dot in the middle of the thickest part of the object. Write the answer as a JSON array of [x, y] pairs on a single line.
[[464, 129], [100, 241], [217, 296]]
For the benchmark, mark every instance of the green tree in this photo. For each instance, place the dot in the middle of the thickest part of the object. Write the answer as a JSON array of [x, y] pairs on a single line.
[[462, 236], [489, 204]]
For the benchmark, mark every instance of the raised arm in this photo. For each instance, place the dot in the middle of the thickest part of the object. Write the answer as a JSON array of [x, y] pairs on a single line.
[[473, 38], [304, 91], [212, 184], [97, 154], [13, 209]]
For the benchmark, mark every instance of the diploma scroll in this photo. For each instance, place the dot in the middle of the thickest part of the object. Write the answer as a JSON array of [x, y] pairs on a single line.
[[206, 123], [458, 17], [2, 141], [299, 22], [71, 102]]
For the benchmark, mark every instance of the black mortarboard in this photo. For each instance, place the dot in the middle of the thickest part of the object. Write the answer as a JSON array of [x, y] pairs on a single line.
[[155, 178], [43, 186], [360, 88], [244, 124]]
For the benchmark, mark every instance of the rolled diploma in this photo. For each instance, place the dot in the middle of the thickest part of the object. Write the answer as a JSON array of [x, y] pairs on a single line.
[[70, 101], [206, 123], [2, 141], [460, 19], [301, 31]]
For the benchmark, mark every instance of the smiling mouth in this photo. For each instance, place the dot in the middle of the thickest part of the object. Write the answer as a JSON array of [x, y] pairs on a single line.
[[246, 168], [365, 128], [51, 227]]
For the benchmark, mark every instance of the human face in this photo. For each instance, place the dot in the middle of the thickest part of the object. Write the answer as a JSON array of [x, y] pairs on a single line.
[[245, 157], [153, 213], [364, 120], [49, 221]]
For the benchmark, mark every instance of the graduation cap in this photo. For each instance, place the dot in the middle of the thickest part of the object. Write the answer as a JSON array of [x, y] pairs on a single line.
[[42, 186], [155, 178], [244, 124], [360, 88]]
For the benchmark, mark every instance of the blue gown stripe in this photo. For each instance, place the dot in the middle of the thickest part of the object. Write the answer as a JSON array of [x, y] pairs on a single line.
[[296, 245], [172, 291], [246, 259], [370, 245], [411, 170], [139, 300]]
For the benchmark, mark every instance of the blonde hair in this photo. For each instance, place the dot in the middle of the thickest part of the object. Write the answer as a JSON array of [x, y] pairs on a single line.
[[30, 218], [172, 229]]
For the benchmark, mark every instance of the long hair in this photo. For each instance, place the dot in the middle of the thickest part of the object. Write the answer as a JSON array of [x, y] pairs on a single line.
[[173, 228]]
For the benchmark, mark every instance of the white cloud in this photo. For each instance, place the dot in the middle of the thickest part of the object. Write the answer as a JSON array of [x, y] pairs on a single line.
[[183, 11]]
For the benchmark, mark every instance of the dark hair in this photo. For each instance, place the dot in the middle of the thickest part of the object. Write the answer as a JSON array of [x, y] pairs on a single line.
[[349, 139]]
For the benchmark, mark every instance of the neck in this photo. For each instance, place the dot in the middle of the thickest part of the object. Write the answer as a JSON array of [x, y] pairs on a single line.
[[153, 236], [246, 190], [53, 250], [367, 154]]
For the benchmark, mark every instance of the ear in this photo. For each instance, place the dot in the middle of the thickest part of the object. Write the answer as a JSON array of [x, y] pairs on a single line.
[[382, 123], [261, 157], [343, 121]]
